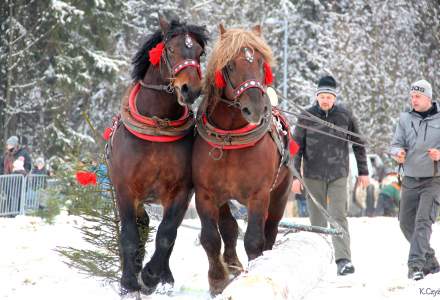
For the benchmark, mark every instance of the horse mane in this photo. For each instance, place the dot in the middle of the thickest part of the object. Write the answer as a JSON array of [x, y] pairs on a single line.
[[141, 60], [227, 47]]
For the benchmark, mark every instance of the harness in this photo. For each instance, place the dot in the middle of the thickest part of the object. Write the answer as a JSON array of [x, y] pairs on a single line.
[[247, 136], [154, 129]]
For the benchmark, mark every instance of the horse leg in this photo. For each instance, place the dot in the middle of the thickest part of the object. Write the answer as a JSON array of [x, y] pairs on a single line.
[[229, 232], [129, 241], [211, 242], [254, 238], [143, 224], [277, 205], [157, 269]]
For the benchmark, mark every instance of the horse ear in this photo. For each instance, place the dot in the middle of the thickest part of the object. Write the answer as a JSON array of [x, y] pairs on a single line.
[[221, 28], [257, 29], [164, 24]]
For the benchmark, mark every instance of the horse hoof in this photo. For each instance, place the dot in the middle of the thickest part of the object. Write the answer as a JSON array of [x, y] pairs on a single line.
[[235, 270], [216, 286], [167, 278], [165, 288], [147, 282], [129, 284], [131, 296]]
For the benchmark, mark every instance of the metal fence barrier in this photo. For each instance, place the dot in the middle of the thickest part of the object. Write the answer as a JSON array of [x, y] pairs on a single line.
[[20, 194]]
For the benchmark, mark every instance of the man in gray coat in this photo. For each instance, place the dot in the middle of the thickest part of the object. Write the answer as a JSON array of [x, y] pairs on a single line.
[[415, 146]]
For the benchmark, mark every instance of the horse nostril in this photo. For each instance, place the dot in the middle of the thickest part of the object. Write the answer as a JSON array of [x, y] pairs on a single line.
[[184, 89], [246, 111], [266, 109]]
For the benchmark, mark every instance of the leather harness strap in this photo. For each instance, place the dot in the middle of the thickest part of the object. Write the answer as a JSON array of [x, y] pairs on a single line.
[[154, 129], [240, 138]]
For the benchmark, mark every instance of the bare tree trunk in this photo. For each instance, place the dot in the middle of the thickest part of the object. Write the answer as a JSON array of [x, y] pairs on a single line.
[[8, 90]]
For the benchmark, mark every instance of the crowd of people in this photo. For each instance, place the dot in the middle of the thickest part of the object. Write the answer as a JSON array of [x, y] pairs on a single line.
[[17, 160]]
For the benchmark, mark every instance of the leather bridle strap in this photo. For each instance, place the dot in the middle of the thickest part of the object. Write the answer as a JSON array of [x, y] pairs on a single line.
[[248, 84], [158, 87], [185, 64], [174, 70]]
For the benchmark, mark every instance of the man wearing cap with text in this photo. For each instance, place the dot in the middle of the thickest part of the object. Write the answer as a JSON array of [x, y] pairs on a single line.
[[415, 146], [325, 164]]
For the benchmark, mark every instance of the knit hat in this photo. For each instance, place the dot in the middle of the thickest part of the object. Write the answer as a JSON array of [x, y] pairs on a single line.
[[12, 141], [423, 87], [39, 160], [326, 84]]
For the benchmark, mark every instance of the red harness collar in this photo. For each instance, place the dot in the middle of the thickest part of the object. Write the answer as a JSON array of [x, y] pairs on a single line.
[[154, 122], [246, 129]]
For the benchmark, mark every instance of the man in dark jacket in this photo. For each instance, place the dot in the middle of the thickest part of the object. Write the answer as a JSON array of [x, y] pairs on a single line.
[[325, 165], [12, 153], [416, 146]]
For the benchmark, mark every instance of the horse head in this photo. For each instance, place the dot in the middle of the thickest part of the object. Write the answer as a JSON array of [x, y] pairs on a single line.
[[183, 47], [174, 54], [242, 71]]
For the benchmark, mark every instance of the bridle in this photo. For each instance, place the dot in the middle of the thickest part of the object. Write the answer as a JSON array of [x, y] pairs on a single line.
[[243, 86], [175, 69]]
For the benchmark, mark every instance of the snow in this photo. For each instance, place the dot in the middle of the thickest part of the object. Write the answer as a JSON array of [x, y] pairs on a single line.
[[64, 9], [30, 269]]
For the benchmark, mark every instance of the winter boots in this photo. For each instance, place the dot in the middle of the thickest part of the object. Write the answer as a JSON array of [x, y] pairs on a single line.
[[415, 273], [431, 265], [344, 266]]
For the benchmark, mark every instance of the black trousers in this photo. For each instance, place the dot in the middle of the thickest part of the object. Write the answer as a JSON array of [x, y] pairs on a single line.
[[419, 207]]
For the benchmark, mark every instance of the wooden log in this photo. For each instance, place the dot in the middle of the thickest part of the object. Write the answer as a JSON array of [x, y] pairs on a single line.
[[295, 266]]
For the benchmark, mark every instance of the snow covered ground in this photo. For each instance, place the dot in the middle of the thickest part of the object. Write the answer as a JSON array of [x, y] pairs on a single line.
[[29, 269]]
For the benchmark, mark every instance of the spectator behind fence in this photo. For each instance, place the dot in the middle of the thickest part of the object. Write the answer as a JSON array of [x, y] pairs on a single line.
[[12, 153], [40, 167]]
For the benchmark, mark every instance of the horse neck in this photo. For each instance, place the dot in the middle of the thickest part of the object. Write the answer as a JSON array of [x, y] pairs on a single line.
[[225, 117], [160, 104]]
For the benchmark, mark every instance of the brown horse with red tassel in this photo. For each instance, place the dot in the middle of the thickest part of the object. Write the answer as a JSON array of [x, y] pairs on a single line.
[[150, 148], [241, 152]]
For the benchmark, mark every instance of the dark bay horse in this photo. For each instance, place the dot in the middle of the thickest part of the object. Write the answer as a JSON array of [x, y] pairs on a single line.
[[150, 149], [235, 155]]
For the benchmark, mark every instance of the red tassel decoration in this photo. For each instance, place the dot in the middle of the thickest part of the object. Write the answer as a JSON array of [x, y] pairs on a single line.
[[293, 147], [156, 53], [219, 80], [268, 76], [107, 133], [86, 178]]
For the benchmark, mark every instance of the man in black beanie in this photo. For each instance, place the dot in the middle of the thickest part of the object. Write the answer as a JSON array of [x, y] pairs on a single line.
[[325, 165]]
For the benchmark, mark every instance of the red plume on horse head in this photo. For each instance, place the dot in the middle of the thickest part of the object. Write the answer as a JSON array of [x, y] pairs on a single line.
[[156, 53], [268, 76]]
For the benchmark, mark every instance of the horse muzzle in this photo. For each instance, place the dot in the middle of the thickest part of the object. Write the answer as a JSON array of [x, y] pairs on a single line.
[[186, 95]]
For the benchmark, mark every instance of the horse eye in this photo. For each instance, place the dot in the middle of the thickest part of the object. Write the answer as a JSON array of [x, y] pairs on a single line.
[[171, 49], [230, 67]]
